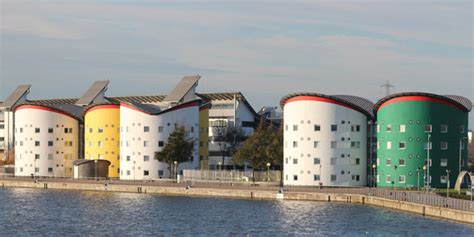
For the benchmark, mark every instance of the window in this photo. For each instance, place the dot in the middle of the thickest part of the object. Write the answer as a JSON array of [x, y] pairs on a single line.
[[146, 143], [67, 130], [50, 130], [378, 145], [68, 143], [146, 158], [444, 128], [401, 162], [21, 130], [334, 144], [428, 145], [355, 128], [99, 143], [50, 169], [444, 163], [295, 177], [387, 179], [378, 128], [317, 161], [161, 143], [160, 173], [295, 127], [333, 177], [461, 129], [37, 156], [128, 158], [90, 130], [146, 129], [333, 161], [389, 128], [317, 127], [401, 179], [424, 162], [357, 161], [443, 179], [37, 130], [160, 129], [355, 145], [355, 177], [295, 161], [128, 172], [315, 144], [389, 145], [378, 178], [444, 145], [428, 128], [316, 177], [388, 162], [146, 173], [37, 143], [334, 128], [295, 144], [50, 156], [402, 128], [100, 130], [402, 145], [50, 143]]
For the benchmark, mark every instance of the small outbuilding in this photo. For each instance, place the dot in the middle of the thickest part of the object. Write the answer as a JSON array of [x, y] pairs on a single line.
[[87, 169]]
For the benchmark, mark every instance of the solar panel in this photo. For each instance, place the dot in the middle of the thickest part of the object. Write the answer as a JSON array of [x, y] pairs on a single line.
[[92, 93], [15, 96], [183, 87]]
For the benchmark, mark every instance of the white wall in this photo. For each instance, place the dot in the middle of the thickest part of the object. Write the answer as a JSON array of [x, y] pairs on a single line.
[[26, 121], [305, 114], [132, 123]]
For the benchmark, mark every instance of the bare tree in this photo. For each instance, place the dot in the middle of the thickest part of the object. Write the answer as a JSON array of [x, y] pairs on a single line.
[[228, 139]]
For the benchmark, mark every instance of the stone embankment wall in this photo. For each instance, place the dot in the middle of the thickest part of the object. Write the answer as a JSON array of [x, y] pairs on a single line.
[[439, 212]]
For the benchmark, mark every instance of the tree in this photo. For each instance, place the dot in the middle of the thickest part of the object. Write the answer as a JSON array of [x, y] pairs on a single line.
[[228, 139], [179, 148], [274, 150]]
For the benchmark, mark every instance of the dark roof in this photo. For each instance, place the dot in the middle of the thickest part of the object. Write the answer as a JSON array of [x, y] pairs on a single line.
[[84, 161], [358, 103], [87, 108], [92, 93], [459, 101], [69, 109], [13, 98], [183, 87], [140, 98], [156, 110]]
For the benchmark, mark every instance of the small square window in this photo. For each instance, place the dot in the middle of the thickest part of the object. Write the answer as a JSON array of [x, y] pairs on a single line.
[[50, 156], [146, 158], [444, 128], [146, 173], [50, 130], [388, 179], [100, 130], [333, 144], [160, 173], [402, 128], [37, 130], [37, 143], [160, 129], [317, 161], [462, 129], [428, 128], [401, 162], [50, 170], [389, 128], [389, 145], [401, 179], [334, 128], [315, 144], [317, 127], [146, 129], [295, 144], [444, 145], [128, 158], [295, 177], [295, 127], [333, 161], [402, 145], [295, 161], [50, 143], [444, 162], [443, 179], [333, 177], [316, 177], [388, 162], [161, 143]]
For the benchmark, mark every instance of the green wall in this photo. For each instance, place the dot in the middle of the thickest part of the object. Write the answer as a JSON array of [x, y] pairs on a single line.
[[415, 115]]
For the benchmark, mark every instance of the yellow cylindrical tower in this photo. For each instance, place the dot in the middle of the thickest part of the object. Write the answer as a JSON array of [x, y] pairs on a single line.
[[102, 135], [204, 136]]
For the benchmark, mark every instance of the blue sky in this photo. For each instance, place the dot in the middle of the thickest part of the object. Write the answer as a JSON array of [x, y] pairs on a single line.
[[265, 49]]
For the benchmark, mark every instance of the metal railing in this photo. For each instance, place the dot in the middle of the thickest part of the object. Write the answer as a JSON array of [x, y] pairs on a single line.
[[231, 176]]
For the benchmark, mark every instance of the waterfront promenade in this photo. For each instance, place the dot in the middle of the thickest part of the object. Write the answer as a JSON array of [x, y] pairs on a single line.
[[423, 204]]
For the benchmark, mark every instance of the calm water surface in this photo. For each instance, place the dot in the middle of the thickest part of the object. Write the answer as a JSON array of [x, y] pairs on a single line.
[[33, 212]]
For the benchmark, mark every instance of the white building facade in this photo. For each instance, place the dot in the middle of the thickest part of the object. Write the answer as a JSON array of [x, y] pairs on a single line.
[[144, 130], [46, 141], [325, 140]]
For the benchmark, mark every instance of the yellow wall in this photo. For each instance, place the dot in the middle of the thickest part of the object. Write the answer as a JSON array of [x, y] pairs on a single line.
[[106, 117], [203, 145]]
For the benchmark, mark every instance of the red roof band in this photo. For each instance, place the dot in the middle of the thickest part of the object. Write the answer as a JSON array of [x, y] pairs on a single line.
[[420, 98], [319, 99], [38, 107]]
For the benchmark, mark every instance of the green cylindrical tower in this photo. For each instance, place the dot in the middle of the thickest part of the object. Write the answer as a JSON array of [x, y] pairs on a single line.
[[410, 123]]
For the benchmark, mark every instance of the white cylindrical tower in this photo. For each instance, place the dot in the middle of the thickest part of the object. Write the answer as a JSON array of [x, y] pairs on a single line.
[[46, 139], [325, 139], [144, 130]]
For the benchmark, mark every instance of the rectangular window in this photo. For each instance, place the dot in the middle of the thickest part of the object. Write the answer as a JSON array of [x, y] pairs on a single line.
[[401, 179], [402, 145], [402, 128], [428, 128], [160, 173], [160, 129], [146, 129], [389, 145], [146, 173], [128, 172], [286, 127], [37, 156], [50, 143], [317, 127], [90, 130], [387, 179], [50, 156], [444, 128], [128, 158], [401, 162], [295, 177], [317, 161], [100, 130], [146, 158], [389, 128], [21, 130], [295, 161], [444, 145], [333, 144], [443, 179], [316, 177], [355, 177], [315, 144], [333, 177], [37, 143], [378, 178], [146, 143], [333, 161], [355, 145], [295, 127], [161, 143], [50, 169], [428, 145], [378, 128], [99, 143], [295, 144], [378, 145], [355, 128], [334, 128], [444, 163], [50, 130], [388, 162], [462, 129], [37, 130], [357, 161]]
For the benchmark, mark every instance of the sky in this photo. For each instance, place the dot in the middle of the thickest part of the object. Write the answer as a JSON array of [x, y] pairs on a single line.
[[265, 49]]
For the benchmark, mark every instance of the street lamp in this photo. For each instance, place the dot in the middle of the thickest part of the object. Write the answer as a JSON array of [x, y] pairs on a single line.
[[424, 174], [447, 184], [461, 139], [373, 174], [396, 179], [428, 163], [95, 162], [175, 169], [268, 171], [418, 176], [220, 166]]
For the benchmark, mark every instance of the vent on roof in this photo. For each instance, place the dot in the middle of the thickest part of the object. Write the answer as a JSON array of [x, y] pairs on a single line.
[[17, 95], [96, 91]]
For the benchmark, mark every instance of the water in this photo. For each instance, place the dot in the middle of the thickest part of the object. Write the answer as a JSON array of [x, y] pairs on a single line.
[[27, 212]]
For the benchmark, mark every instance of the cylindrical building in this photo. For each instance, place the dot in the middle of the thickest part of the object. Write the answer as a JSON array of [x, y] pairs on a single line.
[[46, 139], [144, 130], [102, 135], [325, 139], [415, 127]]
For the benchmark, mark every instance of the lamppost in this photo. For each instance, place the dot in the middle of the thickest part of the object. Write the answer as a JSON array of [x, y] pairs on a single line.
[[418, 176], [268, 172], [320, 176], [373, 174], [396, 179], [95, 170], [424, 174], [460, 155], [175, 169], [447, 183], [428, 163], [220, 166]]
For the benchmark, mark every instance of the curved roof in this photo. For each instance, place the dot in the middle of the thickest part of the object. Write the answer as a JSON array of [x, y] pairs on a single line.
[[357, 103], [84, 161], [156, 110], [87, 108], [70, 110], [458, 101]]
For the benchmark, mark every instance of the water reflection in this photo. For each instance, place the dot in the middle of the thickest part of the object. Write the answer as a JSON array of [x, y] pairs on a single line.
[[48, 212]]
